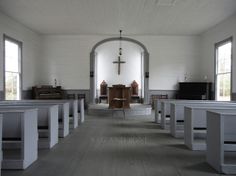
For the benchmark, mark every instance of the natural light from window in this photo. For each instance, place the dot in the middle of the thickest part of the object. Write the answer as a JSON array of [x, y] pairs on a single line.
[[12, 70], [223, 71]]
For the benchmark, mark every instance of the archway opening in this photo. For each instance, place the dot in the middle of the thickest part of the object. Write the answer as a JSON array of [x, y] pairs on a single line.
[[109, 69], [102, 56]]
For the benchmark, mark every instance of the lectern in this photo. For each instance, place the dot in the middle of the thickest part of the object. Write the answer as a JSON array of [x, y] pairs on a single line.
[[119, 96]]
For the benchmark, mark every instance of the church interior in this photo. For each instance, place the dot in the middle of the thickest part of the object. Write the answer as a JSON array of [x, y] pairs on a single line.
[[113, 87]]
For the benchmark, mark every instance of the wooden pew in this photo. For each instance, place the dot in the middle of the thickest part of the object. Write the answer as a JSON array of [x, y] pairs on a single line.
[[157, 110], [74, 106], [177, 114], [165, 109], [195, 126], [63, 111], [20, 138], [221, 137], [0, 142], [81, 110], [165, 113], [76, 112], [73, 114], [47, 122]]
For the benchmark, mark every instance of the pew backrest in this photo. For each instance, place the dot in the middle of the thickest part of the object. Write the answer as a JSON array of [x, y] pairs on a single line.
[[44, 111], [13, 121], [177, 108], [63, 105], [227, 119], [199, 113]]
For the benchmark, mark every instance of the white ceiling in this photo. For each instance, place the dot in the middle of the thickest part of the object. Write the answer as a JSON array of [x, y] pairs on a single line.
[[106, 17]]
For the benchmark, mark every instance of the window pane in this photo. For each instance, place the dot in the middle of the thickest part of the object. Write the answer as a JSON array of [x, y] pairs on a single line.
[[224, 58], [223, 87], [11, 86], [11, 56]]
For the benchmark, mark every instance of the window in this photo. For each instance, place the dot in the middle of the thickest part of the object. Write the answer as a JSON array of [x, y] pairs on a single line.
[[12, 74], [223, 70]]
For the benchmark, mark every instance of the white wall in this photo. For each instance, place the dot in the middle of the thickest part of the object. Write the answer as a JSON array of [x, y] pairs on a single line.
[[31, 49], [218, 33], [108, 71], [171, 58], [66, 58]]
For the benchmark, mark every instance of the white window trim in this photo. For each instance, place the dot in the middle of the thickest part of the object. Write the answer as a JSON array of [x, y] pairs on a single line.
[[20, 44], [217, 45]]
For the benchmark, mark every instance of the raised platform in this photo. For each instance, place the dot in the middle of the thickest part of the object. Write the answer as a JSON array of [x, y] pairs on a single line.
[[135, 109]]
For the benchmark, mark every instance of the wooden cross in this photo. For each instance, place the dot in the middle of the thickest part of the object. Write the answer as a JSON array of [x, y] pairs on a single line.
[[118, 62]]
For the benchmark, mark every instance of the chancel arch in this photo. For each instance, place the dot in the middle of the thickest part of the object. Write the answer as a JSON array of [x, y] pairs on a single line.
[[144, 70]]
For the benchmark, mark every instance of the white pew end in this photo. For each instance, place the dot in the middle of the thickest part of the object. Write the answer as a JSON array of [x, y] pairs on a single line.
[[47, 123], [177, 114], [221, 132], [20, 137], [195, 124], [0, 142]]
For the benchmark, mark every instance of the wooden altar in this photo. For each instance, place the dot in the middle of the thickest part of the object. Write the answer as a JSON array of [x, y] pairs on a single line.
[[119, 96]]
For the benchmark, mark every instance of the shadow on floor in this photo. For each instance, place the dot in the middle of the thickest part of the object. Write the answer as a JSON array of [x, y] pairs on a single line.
[[203, 167], [137, 125], [179, 146]]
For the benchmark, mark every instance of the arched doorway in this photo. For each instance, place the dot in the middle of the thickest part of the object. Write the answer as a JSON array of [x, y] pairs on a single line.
[[93, 72]]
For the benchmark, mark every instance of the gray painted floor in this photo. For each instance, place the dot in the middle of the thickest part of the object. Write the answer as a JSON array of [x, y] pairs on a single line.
[[106, 146]]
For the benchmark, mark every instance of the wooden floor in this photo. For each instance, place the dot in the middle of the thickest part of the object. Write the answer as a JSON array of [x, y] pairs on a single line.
[[105, 146]]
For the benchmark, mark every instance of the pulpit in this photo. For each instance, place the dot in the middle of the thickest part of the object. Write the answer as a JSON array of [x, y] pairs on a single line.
[[119, 96]]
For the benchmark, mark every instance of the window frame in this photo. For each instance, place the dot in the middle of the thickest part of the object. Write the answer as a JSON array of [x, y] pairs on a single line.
[[217, 45], [20, 45]]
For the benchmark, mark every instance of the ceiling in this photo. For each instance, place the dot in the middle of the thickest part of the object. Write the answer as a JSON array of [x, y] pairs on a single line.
[[106, 17]]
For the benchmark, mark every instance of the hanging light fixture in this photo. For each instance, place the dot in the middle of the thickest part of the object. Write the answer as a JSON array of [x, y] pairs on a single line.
[[120, 48], [119, 61]]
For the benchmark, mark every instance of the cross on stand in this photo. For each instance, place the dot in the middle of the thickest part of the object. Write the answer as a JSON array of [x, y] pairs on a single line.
[[118, 62]]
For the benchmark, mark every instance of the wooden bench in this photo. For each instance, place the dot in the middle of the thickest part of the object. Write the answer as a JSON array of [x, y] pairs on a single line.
[[165, 113], [47, 122], [165, 109], [75, 107], [195, 125], [63, 112], [158, 112], [81, 110], [19, 138], [73, 114], [221, 137], [0, 142], [177, 114], [76, 110], [157, 109]]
